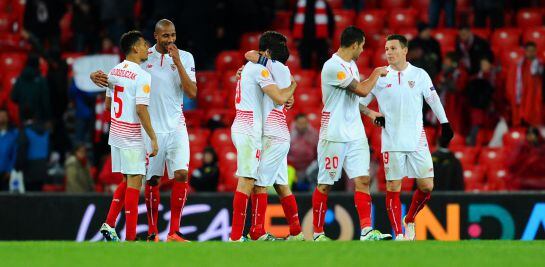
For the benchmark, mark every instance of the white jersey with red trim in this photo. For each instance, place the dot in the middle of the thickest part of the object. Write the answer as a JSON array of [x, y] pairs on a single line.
[[167, 96], [400, 98], [275, 115], [128, 86], [249, 99], [341, 119]]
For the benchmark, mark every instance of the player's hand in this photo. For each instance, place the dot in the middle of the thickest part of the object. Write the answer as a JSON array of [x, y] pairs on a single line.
[[381, 71], [446, 135], [377, 118], [239, 72], [293, 81], [290, 102], [99, 78], [154, 147], [175, 54]]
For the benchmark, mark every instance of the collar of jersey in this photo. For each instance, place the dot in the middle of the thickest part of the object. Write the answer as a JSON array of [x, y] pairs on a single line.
[[409, 66], [131, 63], [155, 52], [341, 60]]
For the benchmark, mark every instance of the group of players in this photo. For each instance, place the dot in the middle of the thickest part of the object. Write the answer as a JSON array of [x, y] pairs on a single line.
[[156, 79]]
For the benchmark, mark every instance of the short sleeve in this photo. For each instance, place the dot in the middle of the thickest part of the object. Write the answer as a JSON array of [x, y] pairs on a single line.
[[427, 85], [264, 77], [337, 75], [143, 88], [366, 100], [109, 88], [189, 66], [281, 75]]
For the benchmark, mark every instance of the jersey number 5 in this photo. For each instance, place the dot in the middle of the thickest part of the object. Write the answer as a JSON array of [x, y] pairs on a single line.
[[237, 93], [118, 100]]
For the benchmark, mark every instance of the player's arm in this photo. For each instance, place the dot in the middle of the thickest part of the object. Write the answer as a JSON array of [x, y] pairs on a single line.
[[99, 78], [364, 87], [255, 57], [376, 117], [433, 100], [143, 115], [280, 96], [187, 84], [107, 104]]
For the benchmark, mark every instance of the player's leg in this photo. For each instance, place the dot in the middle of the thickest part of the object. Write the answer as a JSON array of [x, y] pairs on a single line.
[[394, 167], [118, 200], [155, 170], [259, 207], [134, 183], [422, 166], [291, 211], [248, 153], [177, 159]]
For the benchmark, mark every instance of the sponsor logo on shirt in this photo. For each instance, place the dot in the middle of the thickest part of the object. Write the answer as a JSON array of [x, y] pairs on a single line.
[[341, 75], [411, 84], [265, 73], [149, 66], [192, 69], [432, 88], [389, 85]]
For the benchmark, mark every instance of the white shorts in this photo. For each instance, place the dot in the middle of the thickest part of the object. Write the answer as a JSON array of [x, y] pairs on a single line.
[[273, 166], [412, 164], [130, 161], [173, 151], [248, 154], [333, 157]]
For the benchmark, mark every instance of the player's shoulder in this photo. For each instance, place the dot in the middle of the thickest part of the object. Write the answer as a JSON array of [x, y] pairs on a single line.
[[417, 71], [185, 54], [143, 73]]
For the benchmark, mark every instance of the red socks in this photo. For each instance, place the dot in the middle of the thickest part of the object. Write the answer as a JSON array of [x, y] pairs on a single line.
[[152, 205], [131, 213], [393, 208], [319, 208], [363, 205], [117, 204], [418, 202], [177, 202], [259, 207], [289, 205], [240, 203]]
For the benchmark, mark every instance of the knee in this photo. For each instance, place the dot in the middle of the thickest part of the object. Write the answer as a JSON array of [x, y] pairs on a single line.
[[245, 185], [259, 190], [323, 188], [393, 186], [426, 187], [362, 183], [282, 190], [153, 181], [180, 176]]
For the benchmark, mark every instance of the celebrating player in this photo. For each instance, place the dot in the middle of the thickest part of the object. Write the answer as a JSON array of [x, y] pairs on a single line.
[[173, 75], [404, 145], [342, 141], [247, 129], [130, 87]]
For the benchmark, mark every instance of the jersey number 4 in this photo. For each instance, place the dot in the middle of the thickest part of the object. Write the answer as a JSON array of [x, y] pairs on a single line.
[[118, 100]]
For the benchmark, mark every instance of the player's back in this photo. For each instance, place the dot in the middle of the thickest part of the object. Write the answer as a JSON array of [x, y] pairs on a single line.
[[341, 120], [249, 99], [129, 85], [274, 116]]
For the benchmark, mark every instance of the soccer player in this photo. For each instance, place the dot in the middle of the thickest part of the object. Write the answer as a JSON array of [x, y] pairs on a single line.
[[273, 165], [404, 145], [342, 141], [129, 86], [247, 128], [173, 75]]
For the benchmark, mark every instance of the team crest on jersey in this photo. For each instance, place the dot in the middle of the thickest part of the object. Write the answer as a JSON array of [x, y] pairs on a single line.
[[173, 67], [411, 84], [265, 73], [332, 174], [341, 75]]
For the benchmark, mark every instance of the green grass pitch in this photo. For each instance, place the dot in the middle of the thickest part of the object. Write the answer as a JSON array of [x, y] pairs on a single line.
[[278, 254]]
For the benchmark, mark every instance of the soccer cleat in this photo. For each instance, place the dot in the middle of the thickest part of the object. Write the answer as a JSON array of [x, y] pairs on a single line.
[[176, 237], [321, 238], [242, 239], [153, 238], [400, 237], [265, 237], [409, 230], [375, 235], [299, 237], [109, 233]]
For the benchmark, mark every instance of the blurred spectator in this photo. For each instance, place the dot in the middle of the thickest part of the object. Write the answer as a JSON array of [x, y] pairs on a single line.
[[304, 140], [434, 11], [471, 48], [116, 17], [84, 25], [31, 92], [313, 26], [479, 92], [206, 178], [42, 19], [107, 178], [525, 163], [108, 47], [493, 9], [448, 170], [450, 84], [524, 88], [84, 103], [32, 154], [425, 51], [57, 80], [8, 149], [78, 172]]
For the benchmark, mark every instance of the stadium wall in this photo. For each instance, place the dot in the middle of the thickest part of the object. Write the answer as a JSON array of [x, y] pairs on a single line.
[[449, 216]]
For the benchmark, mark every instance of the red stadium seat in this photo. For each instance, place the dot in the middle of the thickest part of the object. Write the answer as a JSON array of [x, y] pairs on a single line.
[[474, 178], [497, 178], [229, 81], [227, 182], [431, 135], [208, 99], [194, 118], [457, 141], [365, 72], [379, 59], [389, 4], [409, 33], [294, 63], [307, 99], [335, 4], [421, 5], [229, 60], [447, 39], [371, 20], [364, 60], [511, 56], [221, 138], [6, 22], [402, 18], [304, 78], [207, 80], [249, 41], [536, 35], [196, 159], [12, 61], [344, 18], [198, 136], [529, 17], [314, 115], [224, 116], [467, 155], [376, 41], [281, 20], [514, 138], [483, 33], [491, 157], [506, 37]]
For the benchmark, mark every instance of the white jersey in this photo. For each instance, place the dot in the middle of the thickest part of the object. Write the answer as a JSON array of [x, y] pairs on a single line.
[[249, 100], [400, 97], [274, 115], [128, 86], [341, 119], [167, 96]]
